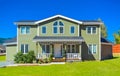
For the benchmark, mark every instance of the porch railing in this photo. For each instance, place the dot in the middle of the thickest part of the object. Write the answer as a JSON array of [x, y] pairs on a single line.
[[73, 56], [43, 55]]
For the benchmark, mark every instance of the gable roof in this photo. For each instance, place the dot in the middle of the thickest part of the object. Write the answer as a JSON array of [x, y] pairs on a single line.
[[46, 19], [34, 22]]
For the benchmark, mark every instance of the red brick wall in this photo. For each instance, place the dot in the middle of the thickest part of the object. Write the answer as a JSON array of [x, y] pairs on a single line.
[[116, 48]]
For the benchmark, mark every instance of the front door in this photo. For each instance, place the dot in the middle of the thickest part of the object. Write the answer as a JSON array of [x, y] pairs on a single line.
[[57, 50]]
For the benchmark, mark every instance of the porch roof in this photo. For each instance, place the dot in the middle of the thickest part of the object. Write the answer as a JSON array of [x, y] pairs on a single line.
[[58, 39]]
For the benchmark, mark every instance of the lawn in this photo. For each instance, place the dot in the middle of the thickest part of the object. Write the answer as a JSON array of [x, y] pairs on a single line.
[[2, 58], [88, 68]]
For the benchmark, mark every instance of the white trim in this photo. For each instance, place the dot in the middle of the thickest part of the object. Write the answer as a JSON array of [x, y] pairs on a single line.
[[107, 43], [17, 38], [99, 43], [37, 30], [78, 30], [46, 19], [92, 23], [60, 17], [12, 43], [56, 40]]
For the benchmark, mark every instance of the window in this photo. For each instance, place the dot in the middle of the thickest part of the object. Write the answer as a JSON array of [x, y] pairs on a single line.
[[71, 48], [72, 29], [92, 48], [91, 30], [25, 29], [45, 49], [94, 30], [24, 48], [44, 30], [58, 27]]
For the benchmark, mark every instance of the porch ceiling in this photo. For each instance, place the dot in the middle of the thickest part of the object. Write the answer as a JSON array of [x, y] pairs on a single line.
[[58, 39]]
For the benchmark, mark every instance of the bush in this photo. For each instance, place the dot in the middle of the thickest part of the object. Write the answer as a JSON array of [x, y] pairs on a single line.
[[51, 57], [18, 57], [24, 58]]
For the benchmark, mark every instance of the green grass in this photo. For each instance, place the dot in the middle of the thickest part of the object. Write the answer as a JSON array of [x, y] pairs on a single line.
[[2, 58], [88, 68]]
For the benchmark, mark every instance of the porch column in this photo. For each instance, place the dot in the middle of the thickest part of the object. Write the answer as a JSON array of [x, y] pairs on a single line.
[[51, 49], [65, 49], [80, 50]]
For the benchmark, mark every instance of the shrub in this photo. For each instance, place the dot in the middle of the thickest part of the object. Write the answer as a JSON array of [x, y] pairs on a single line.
[[24, 58], [18, 57], [51, 57]]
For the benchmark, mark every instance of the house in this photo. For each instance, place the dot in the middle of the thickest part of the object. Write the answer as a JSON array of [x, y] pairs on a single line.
[[60, 36], [2, 50], [116, 50]]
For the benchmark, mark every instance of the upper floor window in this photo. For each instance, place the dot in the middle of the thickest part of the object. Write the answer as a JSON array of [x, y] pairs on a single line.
[[91, 30], [92, 48], [43, 29], [58, 27], [25, 29], [72, 29], [24, 48]]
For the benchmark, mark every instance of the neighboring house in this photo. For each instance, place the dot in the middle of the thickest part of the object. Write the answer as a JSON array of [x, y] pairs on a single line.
[[2, 50], [116, 50], [60, 36]]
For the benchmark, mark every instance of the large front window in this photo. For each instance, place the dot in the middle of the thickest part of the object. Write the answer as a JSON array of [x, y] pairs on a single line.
[[58, 27], [25, 29], [45, 49], [24, 48]]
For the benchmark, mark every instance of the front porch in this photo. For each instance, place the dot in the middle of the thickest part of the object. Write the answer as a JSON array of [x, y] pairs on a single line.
[[60, 52], [61, 48]]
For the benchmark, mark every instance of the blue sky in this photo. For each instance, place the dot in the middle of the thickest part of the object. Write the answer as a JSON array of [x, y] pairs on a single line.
[[14, 10]]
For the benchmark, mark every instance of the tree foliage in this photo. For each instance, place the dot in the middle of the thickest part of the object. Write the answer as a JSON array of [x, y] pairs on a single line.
[[103, 29], [117, 37]]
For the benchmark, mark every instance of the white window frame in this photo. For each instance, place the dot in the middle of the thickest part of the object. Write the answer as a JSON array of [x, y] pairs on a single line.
[[92, 51], [24, 48], [42, 29], [25, 30], [91, 32], [58, 28]]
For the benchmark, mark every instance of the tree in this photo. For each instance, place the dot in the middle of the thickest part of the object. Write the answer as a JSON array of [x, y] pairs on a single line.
[[117, 37], [103, 29]]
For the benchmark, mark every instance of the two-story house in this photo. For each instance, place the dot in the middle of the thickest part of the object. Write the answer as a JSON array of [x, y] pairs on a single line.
[[60, 36]]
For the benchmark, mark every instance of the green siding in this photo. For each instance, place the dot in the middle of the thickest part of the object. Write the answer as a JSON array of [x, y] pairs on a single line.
[[90, 39], [10, 52], [67, 25], [27, 39]]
